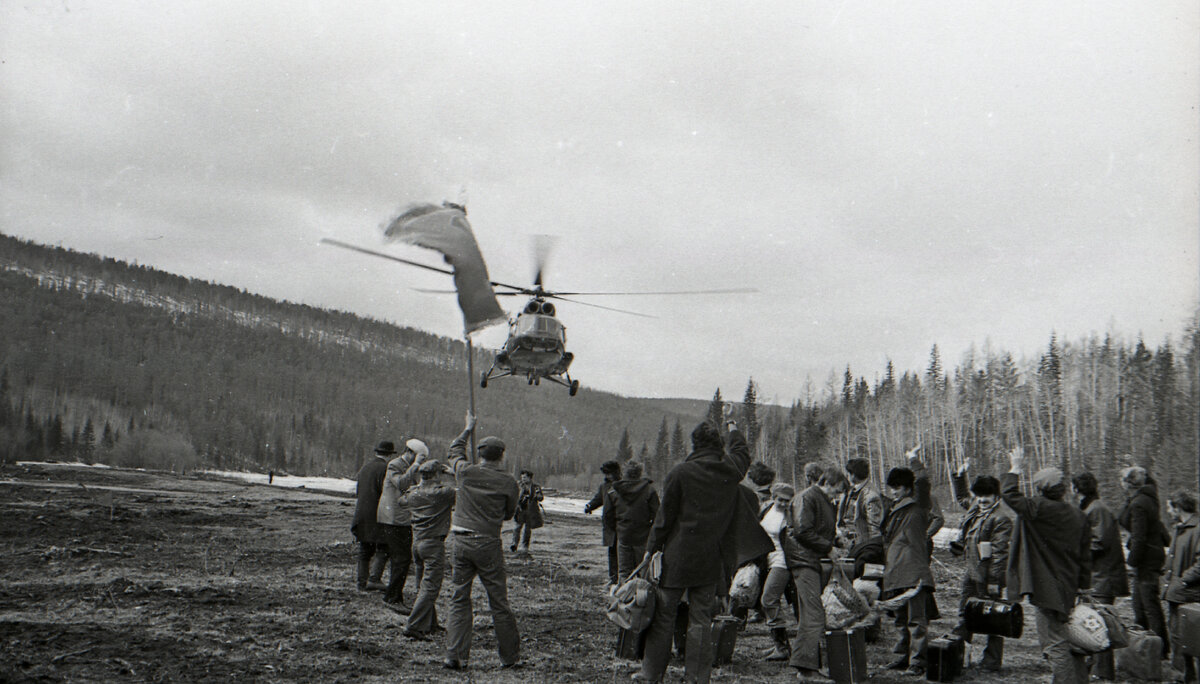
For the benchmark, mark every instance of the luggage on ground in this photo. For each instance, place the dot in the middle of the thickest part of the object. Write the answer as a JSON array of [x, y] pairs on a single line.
[[1142, 658], [998, 618], [724, 638], [944, 659], [1118, 633], [631, 606], [631, 645], [745, 589], [846, 655], [1187, 637]]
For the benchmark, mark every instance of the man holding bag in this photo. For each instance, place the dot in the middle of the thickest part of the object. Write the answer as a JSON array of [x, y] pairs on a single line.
[[983, 543]]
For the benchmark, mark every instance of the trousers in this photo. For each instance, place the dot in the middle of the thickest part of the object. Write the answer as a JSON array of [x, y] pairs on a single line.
[[806, 647], [398, 539], [698, 654], [429, 555], [1066, 666], [478, 555]]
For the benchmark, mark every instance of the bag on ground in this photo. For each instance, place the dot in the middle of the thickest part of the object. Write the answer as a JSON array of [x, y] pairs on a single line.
[[1142, 658], [1118, 633], [843, 605], [1086, 629], [745, 589]]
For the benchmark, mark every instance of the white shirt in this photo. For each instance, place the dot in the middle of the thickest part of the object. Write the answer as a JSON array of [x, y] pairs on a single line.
[[772, 523]]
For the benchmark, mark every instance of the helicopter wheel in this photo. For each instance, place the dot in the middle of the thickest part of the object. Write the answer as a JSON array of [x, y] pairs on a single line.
[[483, 380], [574, 387]]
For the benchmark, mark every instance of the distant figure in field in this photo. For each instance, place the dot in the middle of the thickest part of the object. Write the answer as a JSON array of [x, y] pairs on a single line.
[[694, 530], [271, 477], [365, 526], [529, 510], [634, 503], [1050, 561], [430, 503], [487, 496], [395, 519], [1109, 578], [1148, 538], [612, 473]]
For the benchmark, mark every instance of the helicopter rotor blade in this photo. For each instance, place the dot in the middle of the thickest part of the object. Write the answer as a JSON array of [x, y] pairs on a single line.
[[735, 290], [542, 244], [597, 306], [427, 267]]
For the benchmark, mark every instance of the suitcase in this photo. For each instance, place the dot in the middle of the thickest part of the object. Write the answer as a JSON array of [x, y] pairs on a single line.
[[944, 659], [996, 618], [630, 645], [846, 655], [1187, 636], [724, 638], [1142, 658]]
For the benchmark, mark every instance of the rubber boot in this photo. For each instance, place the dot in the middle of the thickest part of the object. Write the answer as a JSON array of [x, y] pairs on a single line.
[[783, 651]]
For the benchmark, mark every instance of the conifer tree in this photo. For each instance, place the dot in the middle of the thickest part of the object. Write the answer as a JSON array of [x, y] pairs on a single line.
[[624, 448], [678, 448], [662, 451], [750, 416], [716, 409]]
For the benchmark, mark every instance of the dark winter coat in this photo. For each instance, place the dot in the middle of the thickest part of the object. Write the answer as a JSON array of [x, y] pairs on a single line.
[[810, 531], [1108, 559], [634, 504], [695, 527], [529, 507], [905, 539], [1148, 537], [607, 522], [992, 524], [370, 484], [1183, 566], [1050, 558]]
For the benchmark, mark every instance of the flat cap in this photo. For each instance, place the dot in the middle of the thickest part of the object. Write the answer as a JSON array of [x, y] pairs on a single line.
[[431, 466], [493, 442]]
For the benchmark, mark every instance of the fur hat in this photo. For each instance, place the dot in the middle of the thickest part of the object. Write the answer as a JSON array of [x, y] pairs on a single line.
[[901, 477]]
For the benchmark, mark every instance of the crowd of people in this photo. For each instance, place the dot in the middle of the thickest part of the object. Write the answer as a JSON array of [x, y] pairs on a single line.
[[717, 513]]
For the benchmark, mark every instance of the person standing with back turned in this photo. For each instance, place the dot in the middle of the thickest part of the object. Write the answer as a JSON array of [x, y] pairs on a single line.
[[1050, 561], [694, 530], [487, 496]]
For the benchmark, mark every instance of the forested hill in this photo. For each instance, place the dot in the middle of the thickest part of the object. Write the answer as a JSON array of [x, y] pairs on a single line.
[[106, 361]]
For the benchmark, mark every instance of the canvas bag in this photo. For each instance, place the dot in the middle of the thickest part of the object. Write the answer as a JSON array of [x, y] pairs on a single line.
[[744, 591], [1086, 630], [843, 605], [631, 606]]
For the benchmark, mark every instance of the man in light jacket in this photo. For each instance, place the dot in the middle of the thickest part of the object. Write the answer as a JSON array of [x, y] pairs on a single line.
[[395, 519], [1050, 561]]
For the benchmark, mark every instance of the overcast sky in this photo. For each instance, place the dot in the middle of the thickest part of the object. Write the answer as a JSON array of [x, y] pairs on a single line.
[[889, 175]]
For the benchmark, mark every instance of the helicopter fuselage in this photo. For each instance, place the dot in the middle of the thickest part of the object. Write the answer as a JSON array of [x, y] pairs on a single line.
[[535, 348]]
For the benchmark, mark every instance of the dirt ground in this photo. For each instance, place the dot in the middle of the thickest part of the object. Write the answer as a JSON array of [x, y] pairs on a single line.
[[112, 575]]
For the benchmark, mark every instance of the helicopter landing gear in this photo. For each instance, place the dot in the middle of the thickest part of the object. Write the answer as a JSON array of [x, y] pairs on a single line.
[[483, 380], [574, 389]]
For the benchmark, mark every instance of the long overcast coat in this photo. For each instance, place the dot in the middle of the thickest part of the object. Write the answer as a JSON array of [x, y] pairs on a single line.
[[1050, 558], [695, 526], [906, 540], [370, 484]]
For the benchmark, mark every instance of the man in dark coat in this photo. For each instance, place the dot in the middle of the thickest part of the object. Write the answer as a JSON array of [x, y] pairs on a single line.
[[365, 527], [809, 536], [907, 549], [983, 542], [529, 510], [1109, 579], [695, 531], [1050, 561], [634, 503], [612, 472], [1148, 538], [1183, 572]]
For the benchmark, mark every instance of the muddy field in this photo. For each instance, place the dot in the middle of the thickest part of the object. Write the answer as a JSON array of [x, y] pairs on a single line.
[[129, 576]]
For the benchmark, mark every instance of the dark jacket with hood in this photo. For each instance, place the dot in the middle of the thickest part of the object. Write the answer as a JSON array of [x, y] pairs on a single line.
[[1147, 535], [634, 504], [1050, 558], [702, 511], [607, 523], [1183, 567], [1108, 559], [905, 539]]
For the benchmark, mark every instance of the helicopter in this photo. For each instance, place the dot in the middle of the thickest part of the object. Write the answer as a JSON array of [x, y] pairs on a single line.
[[536, 344]]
